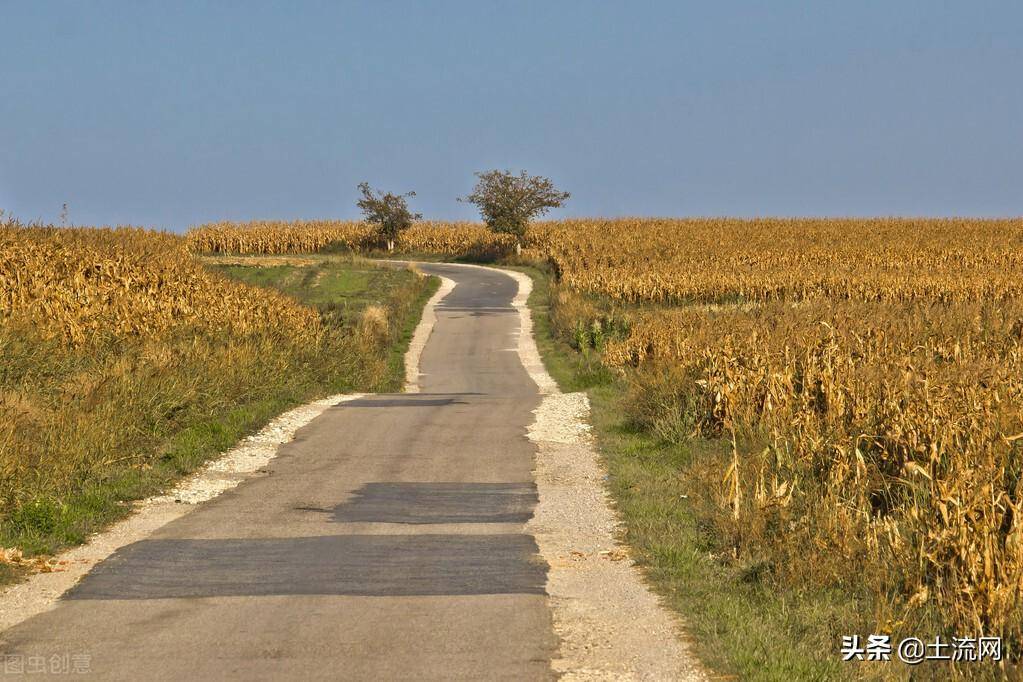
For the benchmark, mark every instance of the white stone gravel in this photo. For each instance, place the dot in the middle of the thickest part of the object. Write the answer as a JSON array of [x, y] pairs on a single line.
[[561, 419]]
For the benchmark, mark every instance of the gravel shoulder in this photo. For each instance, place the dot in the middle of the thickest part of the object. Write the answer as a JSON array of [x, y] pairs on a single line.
[[611, 626]]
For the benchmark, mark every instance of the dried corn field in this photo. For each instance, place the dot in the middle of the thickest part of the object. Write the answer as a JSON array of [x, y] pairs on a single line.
[[874, 370], [723, 260], [450, 239], [88, 285], [278, 237]]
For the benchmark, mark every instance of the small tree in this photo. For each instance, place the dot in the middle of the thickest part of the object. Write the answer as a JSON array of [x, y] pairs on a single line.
[[389, 211], [508, 202]]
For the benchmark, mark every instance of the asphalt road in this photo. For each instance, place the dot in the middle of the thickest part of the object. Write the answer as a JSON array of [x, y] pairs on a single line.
[[385, 542]]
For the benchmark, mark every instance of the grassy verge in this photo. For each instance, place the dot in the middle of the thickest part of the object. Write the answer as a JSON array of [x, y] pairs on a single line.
[[741, 624], [124, 421], [342, 288]]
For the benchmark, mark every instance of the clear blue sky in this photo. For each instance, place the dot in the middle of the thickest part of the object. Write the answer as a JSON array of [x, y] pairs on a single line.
[[168, 114]]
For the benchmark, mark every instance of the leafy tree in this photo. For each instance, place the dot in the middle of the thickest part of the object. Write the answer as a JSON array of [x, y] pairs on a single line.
[[389, 211], [507, 202]]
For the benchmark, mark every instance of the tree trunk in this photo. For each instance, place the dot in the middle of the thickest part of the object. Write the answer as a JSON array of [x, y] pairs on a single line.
[[390, 245], [518, 248]]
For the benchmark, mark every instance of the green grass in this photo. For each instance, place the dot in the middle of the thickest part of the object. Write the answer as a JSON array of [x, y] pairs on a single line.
[[741, 625], [341, 287], [349, 284], [146, 426]]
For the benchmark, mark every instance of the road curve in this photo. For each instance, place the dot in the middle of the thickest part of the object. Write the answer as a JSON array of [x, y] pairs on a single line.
[[386, 541]]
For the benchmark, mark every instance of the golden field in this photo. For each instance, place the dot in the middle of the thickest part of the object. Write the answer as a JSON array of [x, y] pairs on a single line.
[[92, 284], [726, 260], [872, 372], [278, 237], [310, 236]]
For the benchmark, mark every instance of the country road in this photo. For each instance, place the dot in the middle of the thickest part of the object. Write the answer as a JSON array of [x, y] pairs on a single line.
[[386, 541], [457, 531]]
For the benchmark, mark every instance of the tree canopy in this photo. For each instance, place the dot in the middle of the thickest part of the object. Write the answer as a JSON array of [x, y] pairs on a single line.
[[389, 211], [507, 202]]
